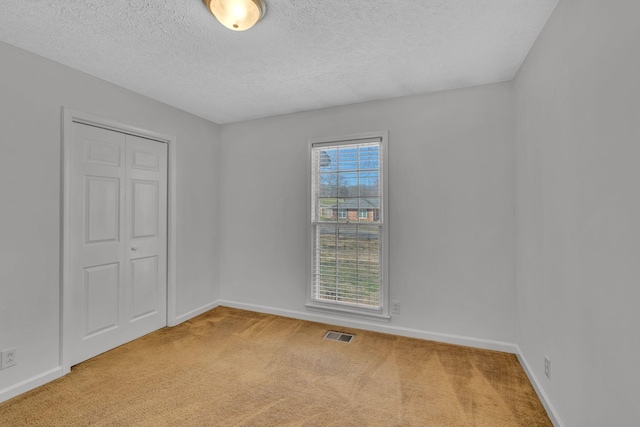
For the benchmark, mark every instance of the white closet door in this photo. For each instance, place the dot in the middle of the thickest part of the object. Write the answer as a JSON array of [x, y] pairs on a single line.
[[118, 239]]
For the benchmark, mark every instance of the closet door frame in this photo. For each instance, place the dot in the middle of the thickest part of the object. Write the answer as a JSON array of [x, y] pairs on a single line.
[[70, 116]]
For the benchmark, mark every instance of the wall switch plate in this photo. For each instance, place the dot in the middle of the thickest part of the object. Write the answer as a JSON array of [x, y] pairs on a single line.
[[8, 358], [395, 307], [547, 367]]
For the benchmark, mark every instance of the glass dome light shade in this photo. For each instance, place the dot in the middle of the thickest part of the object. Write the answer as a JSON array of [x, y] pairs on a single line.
[[237, 15]]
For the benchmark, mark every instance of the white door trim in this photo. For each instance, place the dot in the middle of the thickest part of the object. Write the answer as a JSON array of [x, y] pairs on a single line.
[[70, 116]]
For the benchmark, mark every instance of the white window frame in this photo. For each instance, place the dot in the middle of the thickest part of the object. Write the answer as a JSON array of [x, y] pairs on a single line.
[[329, 307], [363, 211], [343, 214]]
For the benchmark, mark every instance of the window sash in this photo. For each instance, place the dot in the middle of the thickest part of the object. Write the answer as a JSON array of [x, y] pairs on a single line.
[[349, 272], [348, 173], [347, 266]]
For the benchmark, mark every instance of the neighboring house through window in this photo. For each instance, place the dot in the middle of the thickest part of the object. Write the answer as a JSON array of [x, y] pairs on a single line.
[[348, 248]]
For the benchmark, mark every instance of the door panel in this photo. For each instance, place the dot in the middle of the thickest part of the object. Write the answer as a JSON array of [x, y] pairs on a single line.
[[145, 287], [118, 239], [145, 160], [145, 209], [102, 152], [101, 298], [146, 232], [102, 201]]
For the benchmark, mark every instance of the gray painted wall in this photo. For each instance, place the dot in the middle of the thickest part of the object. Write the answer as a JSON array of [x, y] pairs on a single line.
[[578, 210], [451, 222], [32, 92]]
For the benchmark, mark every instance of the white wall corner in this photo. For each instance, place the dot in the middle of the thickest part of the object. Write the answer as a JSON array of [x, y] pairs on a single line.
[[544, 398], [196, 312]]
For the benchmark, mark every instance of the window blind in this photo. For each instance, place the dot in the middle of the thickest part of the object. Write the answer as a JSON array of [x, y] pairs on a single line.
[[347, 220]]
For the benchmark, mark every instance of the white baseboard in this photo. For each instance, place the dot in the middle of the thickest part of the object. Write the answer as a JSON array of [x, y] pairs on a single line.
[[193, 313], [546, 402], [30, 383], [377, 327]]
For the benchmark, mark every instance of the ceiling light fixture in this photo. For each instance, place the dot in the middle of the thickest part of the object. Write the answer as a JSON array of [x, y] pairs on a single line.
[[237, 15]]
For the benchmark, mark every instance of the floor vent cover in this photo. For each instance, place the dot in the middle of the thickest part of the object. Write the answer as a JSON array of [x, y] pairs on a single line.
[[338, 336]]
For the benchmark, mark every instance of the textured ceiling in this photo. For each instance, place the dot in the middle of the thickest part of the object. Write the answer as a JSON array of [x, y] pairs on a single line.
[[303, 55]]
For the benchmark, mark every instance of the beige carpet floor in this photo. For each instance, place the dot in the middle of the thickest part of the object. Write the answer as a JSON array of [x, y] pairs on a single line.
[[232, 367]]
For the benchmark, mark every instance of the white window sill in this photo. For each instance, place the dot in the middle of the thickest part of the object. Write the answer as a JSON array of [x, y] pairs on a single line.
[[345, 311]]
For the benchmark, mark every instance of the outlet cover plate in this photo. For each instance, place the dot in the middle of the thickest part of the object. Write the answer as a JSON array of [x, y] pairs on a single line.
[[9, 358], [547, 367], [395, 307]]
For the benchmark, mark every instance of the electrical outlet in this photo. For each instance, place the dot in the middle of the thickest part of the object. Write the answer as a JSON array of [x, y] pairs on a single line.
[[9, 358], [395, 307], [547, 367]]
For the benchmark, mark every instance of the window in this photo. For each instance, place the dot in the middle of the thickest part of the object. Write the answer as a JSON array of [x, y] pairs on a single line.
[[348, 255]]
